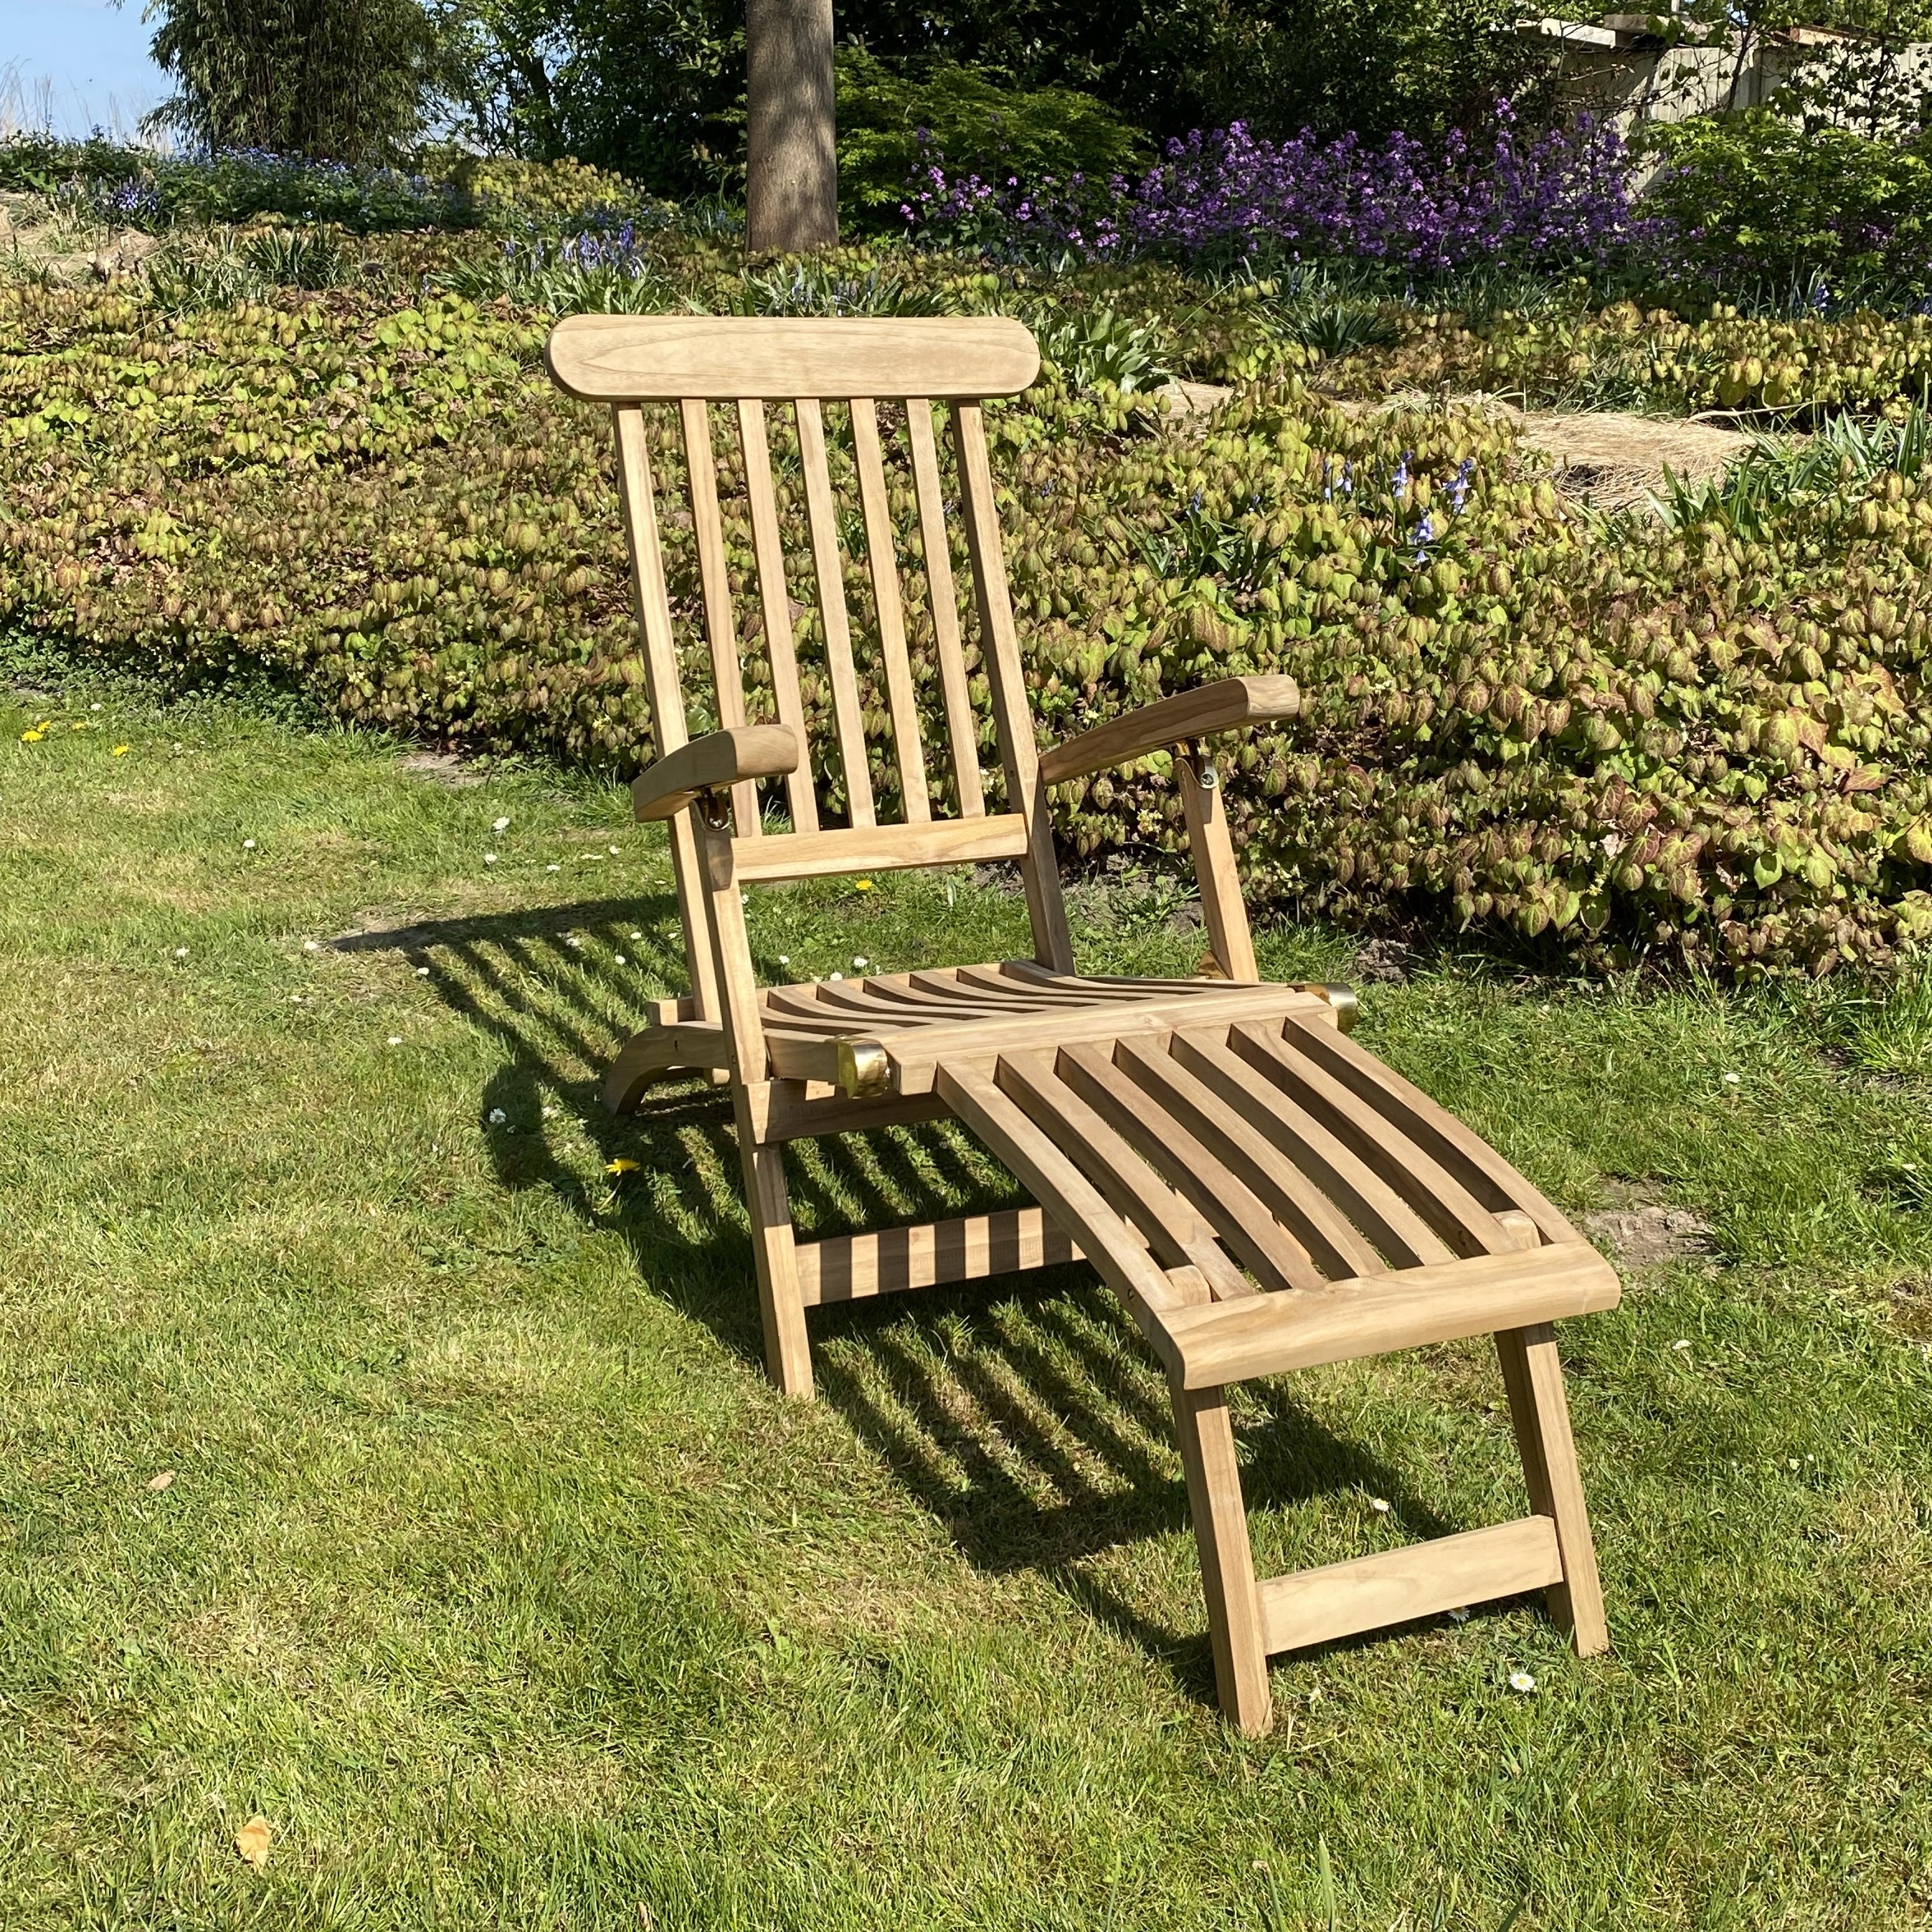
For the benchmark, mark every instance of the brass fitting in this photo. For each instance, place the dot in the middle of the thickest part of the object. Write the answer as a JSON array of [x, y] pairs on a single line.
[[863, 1069], [1341, 999]]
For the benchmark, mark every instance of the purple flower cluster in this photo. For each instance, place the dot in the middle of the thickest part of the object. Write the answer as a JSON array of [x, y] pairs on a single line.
[[1563, 195]]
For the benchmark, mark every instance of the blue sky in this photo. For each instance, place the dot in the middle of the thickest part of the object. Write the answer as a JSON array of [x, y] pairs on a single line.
[[82, 61]]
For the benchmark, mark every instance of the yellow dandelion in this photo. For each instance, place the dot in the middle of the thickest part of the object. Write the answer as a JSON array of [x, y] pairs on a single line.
[[122, 751], [79, 725], [861, 885], [620, 1166], [33, 737]]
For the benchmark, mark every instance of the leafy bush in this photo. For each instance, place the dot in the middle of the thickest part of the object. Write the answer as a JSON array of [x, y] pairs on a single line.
[[961, 119], [136, 186], [296, 258], [1704, 743], [1753, 197], [1811, 367], [1775, 473]]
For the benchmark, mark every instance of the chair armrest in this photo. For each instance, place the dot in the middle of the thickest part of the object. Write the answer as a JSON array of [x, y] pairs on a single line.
[[712, 763], [1171, 721]]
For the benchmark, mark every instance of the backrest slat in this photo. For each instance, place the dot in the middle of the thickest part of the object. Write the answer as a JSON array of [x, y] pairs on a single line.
[[661, 685], [720, 632], [828, 565], [884, 562], [943, 596], [725, 358], [1011, 715], [775, 606]]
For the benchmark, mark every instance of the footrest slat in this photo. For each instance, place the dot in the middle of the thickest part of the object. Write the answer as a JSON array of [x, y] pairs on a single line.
[[1408, 1308], [1398, 1586]]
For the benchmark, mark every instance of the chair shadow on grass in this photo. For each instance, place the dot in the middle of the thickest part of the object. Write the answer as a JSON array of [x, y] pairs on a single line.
[[1025, 1414]]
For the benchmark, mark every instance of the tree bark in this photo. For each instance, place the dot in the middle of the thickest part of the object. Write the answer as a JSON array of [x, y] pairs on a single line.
[[791, 197]]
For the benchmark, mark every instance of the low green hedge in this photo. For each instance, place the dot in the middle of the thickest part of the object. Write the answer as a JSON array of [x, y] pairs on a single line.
[[1613, 742], [1786, 369]]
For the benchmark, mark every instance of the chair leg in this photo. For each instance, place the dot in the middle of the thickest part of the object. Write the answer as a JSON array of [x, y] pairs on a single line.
[[1533, 1375], [774, 1249], [1227, 1558]]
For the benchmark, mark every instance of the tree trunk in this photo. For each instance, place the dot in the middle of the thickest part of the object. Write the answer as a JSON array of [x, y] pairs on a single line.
[[791, 197]]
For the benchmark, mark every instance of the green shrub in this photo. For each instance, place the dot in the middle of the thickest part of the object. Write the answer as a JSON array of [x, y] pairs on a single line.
[[890, 123], [1805, 368], [1755, 196], [1701, 742]]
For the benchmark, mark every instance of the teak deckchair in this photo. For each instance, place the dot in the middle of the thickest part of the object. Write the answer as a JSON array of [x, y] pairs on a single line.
[[1262, 1193]]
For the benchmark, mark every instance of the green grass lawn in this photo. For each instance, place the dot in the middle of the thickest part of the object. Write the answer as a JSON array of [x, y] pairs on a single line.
[[492, 1572]]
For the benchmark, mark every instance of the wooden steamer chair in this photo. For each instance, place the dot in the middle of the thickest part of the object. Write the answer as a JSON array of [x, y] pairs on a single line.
[[1262, 1193]]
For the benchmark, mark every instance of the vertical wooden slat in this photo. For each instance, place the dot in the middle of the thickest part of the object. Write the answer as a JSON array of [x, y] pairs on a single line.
[[775, 605], [1221, 905], [1053, 944], [961, 727], [884, 563], [828, 565], [720, 633], [661, 682]]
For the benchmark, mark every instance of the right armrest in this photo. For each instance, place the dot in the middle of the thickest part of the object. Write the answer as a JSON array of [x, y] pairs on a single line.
[[1199, 713], [714, 763]]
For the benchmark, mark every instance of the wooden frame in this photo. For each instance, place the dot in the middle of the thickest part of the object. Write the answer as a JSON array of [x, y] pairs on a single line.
[[1261, 1193]]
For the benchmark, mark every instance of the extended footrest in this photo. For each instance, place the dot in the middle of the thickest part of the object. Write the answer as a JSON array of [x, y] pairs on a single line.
[[1265, 1195]]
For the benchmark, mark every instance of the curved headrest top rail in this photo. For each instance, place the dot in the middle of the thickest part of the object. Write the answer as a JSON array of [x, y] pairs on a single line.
[[637, 358]]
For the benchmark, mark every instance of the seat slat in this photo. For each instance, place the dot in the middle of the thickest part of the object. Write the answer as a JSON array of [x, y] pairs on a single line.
[[1441, 1200], [728, 674], [915, 1052], [962, 729], [1169, 1224], [1338, 1247], [1474, 1162], [883, 562], [955, 984], [1405, 1239], [775, 606], [828, 564], [1070, 1198], [1244, 1226], [1103, 986]]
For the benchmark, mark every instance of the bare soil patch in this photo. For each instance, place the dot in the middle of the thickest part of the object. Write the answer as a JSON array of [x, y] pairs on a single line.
[[1642, 1231]]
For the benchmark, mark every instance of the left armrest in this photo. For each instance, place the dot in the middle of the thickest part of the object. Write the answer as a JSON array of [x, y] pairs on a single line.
[[714, 763], [1235, 701]]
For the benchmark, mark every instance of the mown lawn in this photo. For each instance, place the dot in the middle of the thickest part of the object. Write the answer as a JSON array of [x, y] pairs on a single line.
[[492, 1573]]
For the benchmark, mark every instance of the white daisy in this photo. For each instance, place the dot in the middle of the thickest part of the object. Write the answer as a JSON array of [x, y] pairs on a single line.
[[1522, 1682], [497, 1116], [500, 825]]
